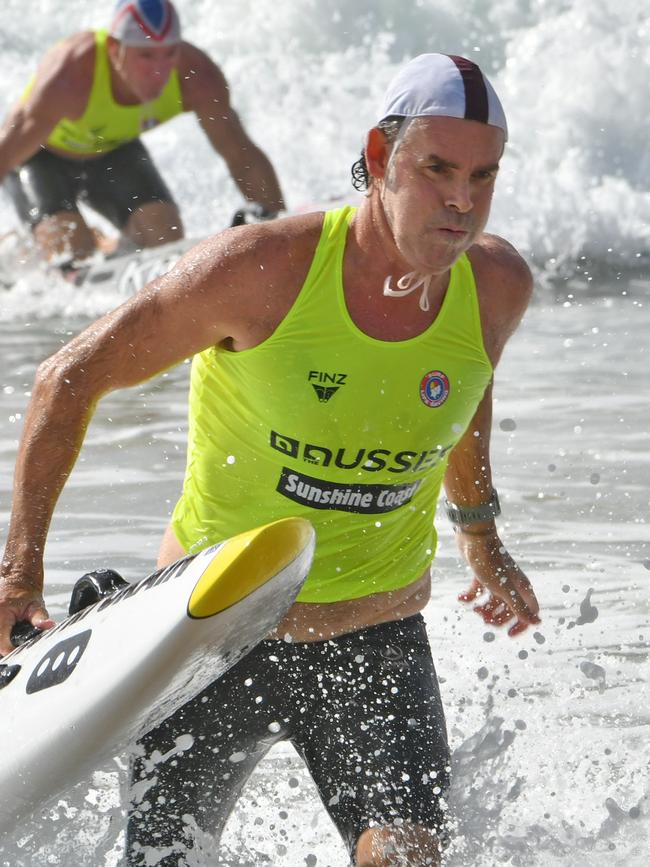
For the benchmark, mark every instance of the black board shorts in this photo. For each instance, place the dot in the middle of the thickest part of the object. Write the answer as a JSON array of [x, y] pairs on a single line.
[[114, 184], [363, 711]]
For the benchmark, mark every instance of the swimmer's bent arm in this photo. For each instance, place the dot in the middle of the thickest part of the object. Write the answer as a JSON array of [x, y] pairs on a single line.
[[205, 92], [198, 304]]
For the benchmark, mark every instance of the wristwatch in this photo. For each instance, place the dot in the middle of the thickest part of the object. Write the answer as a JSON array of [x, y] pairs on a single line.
[[474, 514]]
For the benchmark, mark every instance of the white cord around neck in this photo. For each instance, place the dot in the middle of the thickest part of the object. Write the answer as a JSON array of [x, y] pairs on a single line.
[[409, 283]]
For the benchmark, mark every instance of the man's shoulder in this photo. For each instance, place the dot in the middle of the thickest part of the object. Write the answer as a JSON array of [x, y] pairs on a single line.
[[76, 50], [495, 255], [497, 263], [254, 273], [504, 286], [200, 76], [263, 256], [191, 53], [68, 67], [278, 246]]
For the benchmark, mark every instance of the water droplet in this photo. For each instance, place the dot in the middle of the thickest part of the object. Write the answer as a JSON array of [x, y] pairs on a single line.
[[592, 671], [235, 758], [588, 612]]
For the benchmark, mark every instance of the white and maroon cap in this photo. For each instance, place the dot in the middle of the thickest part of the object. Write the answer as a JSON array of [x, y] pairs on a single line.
[[143, 23], [443, 85]]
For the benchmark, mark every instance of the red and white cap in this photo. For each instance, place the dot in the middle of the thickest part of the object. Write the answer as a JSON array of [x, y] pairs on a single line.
[[443, 85], [143, 23]]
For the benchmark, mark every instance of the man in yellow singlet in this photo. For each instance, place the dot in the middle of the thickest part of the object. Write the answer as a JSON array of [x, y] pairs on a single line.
[[343, 367], [75, 134]]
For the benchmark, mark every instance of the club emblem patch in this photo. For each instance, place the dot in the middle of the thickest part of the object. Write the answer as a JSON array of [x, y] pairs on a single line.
[[434, 388]]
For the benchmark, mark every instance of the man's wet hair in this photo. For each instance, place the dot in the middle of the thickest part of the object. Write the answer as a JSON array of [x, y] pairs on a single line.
[[391, 127]]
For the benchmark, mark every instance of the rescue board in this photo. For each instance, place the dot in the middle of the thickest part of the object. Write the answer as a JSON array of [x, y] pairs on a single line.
[[124, 270], [130, 272], [79, 693]]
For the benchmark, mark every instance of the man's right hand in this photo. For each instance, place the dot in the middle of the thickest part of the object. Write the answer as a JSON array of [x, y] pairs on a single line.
[[18, 602]]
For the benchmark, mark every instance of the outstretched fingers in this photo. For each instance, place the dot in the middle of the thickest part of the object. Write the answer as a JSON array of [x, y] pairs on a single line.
[[495, 611], [510, 596]]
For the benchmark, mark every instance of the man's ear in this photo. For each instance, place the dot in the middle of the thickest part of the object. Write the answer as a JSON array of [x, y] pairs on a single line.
[[112, 48], [377, 152]]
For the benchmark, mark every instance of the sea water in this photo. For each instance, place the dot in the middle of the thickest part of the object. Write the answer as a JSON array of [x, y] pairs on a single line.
[[549, 731]]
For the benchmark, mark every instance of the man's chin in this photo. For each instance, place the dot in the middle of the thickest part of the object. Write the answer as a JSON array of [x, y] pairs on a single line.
[[148, 94], [150, 97], [440, 259]]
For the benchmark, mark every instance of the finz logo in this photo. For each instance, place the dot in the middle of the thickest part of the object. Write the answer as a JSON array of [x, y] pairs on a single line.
[[434, 388], [326, 384]]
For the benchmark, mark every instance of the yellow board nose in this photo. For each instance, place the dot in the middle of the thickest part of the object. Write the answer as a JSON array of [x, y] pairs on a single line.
[[246, 562]]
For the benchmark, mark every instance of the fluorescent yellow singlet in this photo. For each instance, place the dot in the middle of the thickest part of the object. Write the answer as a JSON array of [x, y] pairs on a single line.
[[106, 124], [325, 422]]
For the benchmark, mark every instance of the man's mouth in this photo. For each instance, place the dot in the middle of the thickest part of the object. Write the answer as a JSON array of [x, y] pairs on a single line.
[[453, 231]]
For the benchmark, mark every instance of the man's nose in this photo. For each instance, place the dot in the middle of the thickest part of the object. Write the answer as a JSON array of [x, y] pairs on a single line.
[[161, 70], [459, 196]]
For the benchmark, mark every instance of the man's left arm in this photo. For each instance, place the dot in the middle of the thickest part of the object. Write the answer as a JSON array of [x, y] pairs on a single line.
[[468, 485], [504, 287], [205, 92]]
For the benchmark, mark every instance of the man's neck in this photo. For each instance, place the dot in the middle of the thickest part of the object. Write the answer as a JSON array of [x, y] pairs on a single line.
[[123, 94], [372, 244], [371, 257]]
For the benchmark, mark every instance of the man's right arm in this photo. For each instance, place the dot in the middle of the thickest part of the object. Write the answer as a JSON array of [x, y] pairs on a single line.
[[60, 89], [205, 300]]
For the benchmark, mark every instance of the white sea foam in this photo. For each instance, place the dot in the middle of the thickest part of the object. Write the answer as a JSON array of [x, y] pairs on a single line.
[[307, 79]]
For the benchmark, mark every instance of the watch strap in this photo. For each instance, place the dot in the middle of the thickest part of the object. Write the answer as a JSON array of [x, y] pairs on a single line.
[[474, 514]]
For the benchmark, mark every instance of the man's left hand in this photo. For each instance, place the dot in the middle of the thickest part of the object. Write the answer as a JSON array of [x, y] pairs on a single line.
[[511, 594]]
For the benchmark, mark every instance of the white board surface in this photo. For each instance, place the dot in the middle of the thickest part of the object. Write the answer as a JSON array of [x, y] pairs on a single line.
[[80, 692]]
